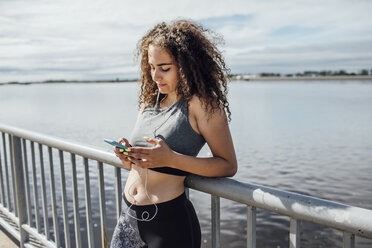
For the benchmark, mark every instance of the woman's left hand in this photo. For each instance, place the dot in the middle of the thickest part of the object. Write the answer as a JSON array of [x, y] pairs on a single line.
[[151, 157]]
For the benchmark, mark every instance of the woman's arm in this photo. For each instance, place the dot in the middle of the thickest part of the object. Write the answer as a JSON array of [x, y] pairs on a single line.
[[215, 131]]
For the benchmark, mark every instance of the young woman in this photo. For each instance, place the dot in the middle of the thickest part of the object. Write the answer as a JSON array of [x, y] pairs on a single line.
[[183, 105]]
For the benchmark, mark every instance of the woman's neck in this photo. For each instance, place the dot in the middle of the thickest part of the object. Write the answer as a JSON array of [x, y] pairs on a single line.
[[168, 100]]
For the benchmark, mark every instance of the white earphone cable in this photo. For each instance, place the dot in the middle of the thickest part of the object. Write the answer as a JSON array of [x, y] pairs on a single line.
[[145, 216]]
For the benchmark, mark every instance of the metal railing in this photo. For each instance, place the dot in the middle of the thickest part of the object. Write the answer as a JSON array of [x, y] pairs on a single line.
[[20, 209]]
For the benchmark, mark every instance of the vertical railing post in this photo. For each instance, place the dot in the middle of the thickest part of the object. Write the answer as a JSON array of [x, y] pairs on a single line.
[[75, 201], [53, 197], [34, 184], [88, 206], [102, 204], [216, 242], [251, 227], [2, 191], [64, 201], [15, 208], [118, 191], [294, 233], [6, 174], [348, 240], [28, 197], [43, 193], [20, 188], [187, 193]]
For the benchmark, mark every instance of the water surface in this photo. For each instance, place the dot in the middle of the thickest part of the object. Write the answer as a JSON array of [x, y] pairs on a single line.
[[312, 137]]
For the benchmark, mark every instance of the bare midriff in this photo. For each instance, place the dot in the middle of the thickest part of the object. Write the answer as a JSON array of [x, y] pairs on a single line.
[[160, 187]]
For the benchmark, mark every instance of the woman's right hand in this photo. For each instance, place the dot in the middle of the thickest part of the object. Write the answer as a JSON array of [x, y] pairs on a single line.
[[122, 154]]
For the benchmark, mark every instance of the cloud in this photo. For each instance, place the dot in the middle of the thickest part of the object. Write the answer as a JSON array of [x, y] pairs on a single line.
[[232, 21], [326, 56], [288, 31], [96, 39]]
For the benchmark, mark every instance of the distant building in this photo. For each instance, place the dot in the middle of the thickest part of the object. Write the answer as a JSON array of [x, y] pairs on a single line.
[[247, 76]]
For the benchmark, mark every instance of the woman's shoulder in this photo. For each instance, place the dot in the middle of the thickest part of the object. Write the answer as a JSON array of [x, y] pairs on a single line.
[[195, 104], [198, 108], [195, 100]]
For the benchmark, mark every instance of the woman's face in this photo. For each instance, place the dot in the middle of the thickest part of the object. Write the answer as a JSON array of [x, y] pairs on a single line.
[[164, 71]]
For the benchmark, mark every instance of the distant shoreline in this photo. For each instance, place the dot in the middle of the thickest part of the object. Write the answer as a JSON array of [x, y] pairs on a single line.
[[304, 78], [281, 78], [70, 82]]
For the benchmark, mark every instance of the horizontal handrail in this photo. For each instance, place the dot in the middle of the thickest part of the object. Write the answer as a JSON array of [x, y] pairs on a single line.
[[64, 145], [332, 214], [353, 220]]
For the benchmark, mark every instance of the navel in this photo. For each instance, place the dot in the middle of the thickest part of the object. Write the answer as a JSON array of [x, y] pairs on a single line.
[[134, 192]]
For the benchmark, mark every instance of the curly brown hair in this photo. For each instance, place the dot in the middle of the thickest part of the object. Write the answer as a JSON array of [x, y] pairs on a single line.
[[201, 68]]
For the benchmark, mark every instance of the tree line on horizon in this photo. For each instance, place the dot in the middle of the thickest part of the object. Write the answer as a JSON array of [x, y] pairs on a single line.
[[323, 73]]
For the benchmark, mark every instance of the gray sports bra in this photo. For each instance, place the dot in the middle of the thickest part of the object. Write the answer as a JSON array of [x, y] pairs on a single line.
[[171, 125]]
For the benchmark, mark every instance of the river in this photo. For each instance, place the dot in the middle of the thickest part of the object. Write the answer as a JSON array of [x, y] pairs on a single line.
[[309, 137]]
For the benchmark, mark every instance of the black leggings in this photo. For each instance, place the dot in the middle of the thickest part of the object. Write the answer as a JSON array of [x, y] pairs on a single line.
[[175, 225]]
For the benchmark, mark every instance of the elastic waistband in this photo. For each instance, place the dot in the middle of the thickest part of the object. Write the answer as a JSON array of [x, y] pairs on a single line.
[[178, 200]]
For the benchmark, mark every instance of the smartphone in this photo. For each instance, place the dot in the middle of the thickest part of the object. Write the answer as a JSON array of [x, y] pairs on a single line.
[[114, 143]]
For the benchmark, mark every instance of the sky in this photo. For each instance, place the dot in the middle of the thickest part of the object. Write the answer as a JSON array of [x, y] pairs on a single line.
[[96, 39]]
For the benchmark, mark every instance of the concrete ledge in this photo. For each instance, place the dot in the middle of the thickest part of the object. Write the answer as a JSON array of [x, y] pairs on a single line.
[[5, 241]]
